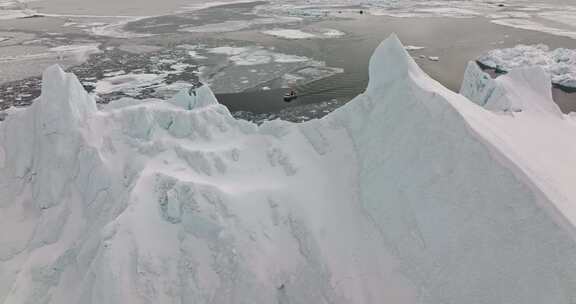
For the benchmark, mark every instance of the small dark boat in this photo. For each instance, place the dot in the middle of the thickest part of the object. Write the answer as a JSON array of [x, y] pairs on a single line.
[[290, 96]]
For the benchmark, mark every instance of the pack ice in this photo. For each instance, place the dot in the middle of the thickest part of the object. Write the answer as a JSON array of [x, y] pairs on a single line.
[[410, 193], [559, 63]]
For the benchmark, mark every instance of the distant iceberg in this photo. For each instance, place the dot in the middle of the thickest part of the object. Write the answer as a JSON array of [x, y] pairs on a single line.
[[410, 193]]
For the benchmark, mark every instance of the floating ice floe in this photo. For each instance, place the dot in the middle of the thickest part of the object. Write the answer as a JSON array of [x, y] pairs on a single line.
[[409, 193], [116, 29], [331, 33], [237, 25], [448, 12], [136, 48], [193, 50], [426, 9], [255, 65], [255, 55], [15, 9], [132, 84], [413, 47], [530, 24], [300, 34], [227, 26], [559, 63], [15, 14], [80, 51], [201, 5], [195, 55], [289, 34], [77, 52], [509, 14], [566, 17], [308, 74], [242, 74], [433, 58]]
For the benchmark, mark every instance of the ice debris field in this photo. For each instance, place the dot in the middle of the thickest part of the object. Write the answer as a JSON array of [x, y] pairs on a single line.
[[559, 63], [410, 193]]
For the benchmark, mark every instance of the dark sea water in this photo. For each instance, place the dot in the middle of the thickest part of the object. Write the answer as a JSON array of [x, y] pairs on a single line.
[[454, 41]]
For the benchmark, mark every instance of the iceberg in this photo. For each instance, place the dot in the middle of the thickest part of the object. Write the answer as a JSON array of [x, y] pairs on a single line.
[[521, 89], [410, 193]]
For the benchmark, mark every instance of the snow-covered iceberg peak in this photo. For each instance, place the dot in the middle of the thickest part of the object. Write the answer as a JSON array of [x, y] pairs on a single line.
[[42, 143], [63, 96], [390, 63]]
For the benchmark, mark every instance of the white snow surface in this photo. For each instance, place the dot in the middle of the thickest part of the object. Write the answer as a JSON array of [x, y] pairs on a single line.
[[410, 193], [560, 63]]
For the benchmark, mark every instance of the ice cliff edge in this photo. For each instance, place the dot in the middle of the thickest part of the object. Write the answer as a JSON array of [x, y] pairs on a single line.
[[522, 89]]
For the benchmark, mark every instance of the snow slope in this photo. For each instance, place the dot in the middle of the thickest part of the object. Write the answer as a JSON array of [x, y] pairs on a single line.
[[408, 194]]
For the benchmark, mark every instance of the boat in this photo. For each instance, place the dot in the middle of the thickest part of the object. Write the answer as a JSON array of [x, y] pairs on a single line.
[[290, 96]]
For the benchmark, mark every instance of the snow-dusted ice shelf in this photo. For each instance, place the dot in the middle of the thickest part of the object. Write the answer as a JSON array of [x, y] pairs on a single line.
[[559, 63], [409, 193]]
